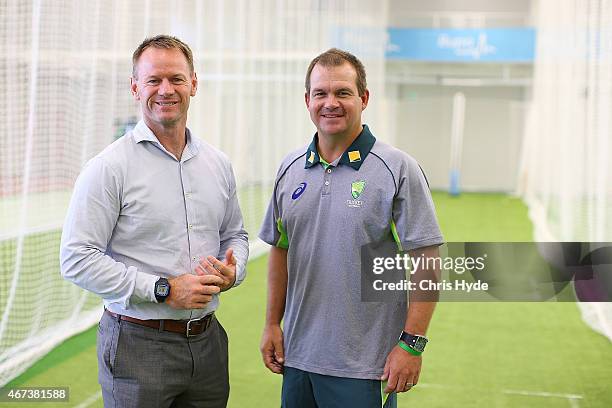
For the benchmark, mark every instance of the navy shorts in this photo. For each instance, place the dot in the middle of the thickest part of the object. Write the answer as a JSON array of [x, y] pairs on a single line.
[[302, 389]]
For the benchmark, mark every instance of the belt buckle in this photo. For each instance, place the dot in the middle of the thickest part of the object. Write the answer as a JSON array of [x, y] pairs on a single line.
[[195, 321], [188, 329]]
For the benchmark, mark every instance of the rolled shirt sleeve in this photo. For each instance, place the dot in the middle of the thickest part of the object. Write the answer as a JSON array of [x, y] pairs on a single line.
[[92, 215], [232, 233]]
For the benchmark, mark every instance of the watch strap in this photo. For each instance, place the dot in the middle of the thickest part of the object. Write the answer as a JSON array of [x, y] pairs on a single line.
[[408, 348], [415, 342]]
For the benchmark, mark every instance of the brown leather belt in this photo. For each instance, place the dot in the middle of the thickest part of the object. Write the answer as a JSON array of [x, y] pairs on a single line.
[[188, 328]]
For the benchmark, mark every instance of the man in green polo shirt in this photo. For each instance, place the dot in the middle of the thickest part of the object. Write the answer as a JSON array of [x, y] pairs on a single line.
[[342, 192]]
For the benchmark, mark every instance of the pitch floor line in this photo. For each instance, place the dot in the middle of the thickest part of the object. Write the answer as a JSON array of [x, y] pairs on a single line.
[[543, 394], [572, 398], [574, 403], [90, 400]]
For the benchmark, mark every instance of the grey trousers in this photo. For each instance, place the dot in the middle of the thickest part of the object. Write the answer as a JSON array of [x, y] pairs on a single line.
[[143, 367]]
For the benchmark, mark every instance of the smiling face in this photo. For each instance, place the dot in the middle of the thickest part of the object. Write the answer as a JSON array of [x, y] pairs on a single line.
[[163, 87], [334, 103]]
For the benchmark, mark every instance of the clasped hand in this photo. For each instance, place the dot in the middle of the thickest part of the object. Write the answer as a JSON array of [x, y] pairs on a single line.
[[212, 276]]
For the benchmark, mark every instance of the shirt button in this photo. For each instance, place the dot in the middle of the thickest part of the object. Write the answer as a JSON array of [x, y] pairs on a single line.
[[190, 226], [188, 195], [328, 170], [327, 183], [194, 259]]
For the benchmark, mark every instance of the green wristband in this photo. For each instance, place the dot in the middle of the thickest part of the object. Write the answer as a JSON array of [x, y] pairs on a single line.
[[408, 348]]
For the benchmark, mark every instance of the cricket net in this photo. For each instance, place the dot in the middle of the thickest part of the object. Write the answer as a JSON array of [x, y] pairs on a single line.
[[566, 174], [64, 73]]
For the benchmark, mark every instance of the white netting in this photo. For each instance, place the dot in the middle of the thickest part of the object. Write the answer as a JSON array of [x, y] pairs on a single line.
[[64, 70], [566, 170]]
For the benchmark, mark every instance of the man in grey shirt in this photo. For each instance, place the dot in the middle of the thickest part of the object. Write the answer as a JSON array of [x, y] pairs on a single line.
[[332, 198], [155, 229]]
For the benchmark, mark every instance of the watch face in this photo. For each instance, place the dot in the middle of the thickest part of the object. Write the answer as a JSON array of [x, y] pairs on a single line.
[[419, 344], [162, 289]]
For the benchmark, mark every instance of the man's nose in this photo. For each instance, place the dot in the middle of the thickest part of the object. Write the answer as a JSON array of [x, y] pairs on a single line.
[[165, 88], [331, 101]]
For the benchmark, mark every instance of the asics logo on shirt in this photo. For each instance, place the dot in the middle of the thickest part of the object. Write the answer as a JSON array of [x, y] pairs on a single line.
[[298, 191]]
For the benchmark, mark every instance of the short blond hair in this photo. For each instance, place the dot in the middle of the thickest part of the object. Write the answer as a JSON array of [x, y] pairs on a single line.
[[162, 41]]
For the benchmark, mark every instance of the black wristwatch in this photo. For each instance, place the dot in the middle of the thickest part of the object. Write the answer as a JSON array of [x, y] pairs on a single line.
[[414, 341], [162, 290]]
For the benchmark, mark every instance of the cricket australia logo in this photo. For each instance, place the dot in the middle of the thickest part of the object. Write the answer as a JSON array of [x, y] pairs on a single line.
[[357, 188]]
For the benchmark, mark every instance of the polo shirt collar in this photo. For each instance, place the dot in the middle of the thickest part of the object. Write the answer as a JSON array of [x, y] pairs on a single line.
[[354, 156]]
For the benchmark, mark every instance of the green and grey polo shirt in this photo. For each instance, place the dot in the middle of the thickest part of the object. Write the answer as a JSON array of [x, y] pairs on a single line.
[[322, 214]]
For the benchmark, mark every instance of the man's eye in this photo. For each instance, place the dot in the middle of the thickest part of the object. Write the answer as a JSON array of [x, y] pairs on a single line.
[[152, 81]]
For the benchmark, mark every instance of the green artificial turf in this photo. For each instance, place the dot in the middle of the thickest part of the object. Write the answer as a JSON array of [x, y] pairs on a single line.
[[480, 354], [483, 217]]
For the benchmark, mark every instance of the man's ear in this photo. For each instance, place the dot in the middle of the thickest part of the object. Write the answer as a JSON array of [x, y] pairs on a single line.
[[134, 88], [194, 84], [307, 98], [364, 99]]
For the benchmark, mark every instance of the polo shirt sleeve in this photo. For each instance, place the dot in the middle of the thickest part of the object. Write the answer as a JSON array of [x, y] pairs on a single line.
[[272, 230], [414, 215]]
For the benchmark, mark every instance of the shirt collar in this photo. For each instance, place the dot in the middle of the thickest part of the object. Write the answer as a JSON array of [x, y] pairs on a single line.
[[353, 156], [142, 133]]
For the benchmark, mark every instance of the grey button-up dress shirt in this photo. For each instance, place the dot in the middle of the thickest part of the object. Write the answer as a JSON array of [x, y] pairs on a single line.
[[137, 214]]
